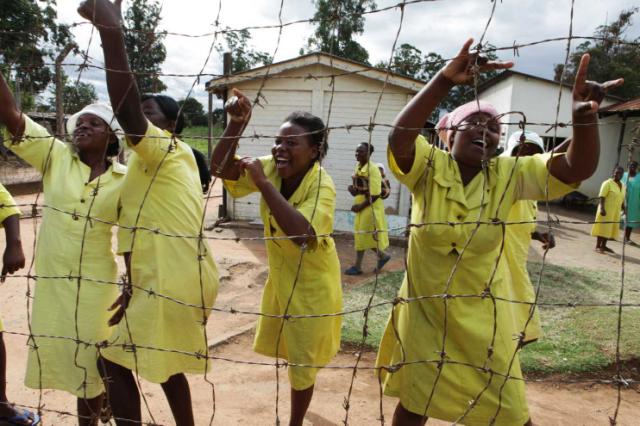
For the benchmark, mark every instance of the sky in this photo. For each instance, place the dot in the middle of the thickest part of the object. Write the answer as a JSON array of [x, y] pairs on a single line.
[[431, 26]]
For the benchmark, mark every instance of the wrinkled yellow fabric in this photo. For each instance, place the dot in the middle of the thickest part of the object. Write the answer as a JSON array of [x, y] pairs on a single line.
[[369, 221], [163, 188], [7, 205], [311, 276], [7, 208], [440, 196], [613, 198], [70, 245], [516, 252]]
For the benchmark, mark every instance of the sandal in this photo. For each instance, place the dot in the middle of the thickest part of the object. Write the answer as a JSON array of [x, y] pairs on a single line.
[[21, 419], [353, 271], [382, 262]]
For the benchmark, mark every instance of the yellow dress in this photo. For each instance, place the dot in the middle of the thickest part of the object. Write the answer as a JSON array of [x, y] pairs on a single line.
[[162, 193], [7, 208], [70, 245], [516, 251], [613, 199], [316, 277], [469, 347], [368, 220]]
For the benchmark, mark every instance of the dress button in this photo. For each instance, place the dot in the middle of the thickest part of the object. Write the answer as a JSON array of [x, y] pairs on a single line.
[[82, 200], [460, 217], [453, 244]]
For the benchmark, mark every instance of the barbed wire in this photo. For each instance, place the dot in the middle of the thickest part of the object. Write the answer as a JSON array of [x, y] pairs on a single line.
[[442, 359], [515, 48]]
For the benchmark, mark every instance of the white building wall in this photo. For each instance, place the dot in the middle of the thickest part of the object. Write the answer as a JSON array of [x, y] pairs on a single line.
[[500, 95], [538, 101], [609, 137], [354, 101]]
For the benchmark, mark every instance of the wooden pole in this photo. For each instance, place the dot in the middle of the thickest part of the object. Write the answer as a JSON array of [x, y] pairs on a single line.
[[59, 75]]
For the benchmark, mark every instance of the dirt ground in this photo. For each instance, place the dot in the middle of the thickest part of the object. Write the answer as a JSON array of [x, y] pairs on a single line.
[[246, 394]]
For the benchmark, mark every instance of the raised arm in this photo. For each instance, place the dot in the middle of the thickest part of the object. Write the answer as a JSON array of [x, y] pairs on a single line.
[[121, 84], [413, 116], [583, 152], [223, 162], [10, 115]]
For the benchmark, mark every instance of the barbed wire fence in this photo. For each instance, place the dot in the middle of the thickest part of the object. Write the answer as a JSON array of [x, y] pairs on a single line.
[[200, 238]]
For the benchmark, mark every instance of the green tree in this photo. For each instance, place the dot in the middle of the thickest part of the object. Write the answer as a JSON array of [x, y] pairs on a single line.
[[75, 96], [337, 22], [144, 44], [193, 112], [30, 37], [243, 55], [610, 59], [407, 60]]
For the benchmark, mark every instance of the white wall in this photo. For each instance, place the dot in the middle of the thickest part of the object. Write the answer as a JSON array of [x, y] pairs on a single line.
[[609, 137], [538, 101], [354, 102]]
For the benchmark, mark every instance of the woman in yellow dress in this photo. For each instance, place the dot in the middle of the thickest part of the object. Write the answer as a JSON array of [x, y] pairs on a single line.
[[518, 238], [451, 354], [161, 316], [80, 179], [298, 200], [611, 204], [12, 260], [369, 209]]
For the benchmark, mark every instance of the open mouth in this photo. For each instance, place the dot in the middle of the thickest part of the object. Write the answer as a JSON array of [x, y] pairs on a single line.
[[479, 142], [281, 162]]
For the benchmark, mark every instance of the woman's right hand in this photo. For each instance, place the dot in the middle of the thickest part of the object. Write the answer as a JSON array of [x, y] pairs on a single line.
[[462, 68], [238, 107], [603, 212]]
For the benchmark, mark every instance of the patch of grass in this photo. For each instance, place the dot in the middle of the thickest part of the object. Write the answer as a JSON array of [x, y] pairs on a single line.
[[575, 339], [358, 298], [197, 137]]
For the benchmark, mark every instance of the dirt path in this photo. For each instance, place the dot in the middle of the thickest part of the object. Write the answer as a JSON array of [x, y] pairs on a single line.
[[245, 394]]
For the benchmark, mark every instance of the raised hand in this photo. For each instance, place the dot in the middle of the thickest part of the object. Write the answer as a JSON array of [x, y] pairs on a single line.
[[238, 107], [102, 13], [462, 68], [587, 95]]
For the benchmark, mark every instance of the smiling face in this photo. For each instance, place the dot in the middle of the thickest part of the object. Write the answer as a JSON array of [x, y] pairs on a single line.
[[362, 154], [633, 168], [293, 151], [617, 173], [154, 114], [91, 134], [475, 139]]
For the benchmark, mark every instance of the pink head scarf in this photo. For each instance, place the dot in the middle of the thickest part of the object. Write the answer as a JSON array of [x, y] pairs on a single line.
[[445, 126]]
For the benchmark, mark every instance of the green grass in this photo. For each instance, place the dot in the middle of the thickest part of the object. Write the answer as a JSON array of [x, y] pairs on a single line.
[[575, 339], [197, 137]]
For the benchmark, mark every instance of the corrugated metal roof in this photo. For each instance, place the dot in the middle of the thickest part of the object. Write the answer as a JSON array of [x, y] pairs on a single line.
[[630, 105]]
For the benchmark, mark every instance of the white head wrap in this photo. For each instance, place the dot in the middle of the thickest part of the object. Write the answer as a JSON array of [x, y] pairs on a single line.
[[103, 111], [529, 137]]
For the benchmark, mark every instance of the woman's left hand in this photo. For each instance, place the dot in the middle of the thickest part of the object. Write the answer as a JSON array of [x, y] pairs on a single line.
[[357, 208], [587, 95], [254, 167]]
